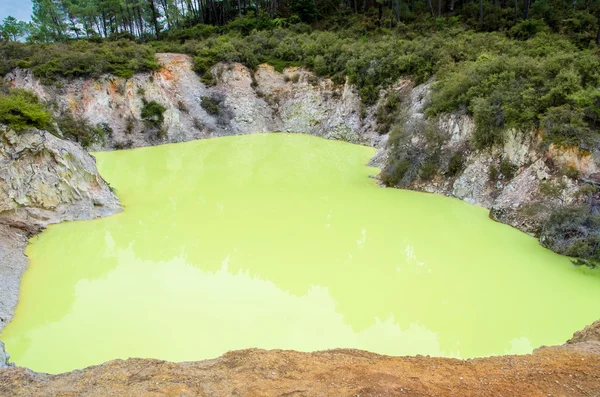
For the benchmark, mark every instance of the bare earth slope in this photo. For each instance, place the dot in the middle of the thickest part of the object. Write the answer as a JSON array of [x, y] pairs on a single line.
[[554, 371]]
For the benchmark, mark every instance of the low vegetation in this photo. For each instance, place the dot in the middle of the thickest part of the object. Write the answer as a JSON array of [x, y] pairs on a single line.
[[21, 109], [574, 231], [153, 113], [52, 61], [80, 130]]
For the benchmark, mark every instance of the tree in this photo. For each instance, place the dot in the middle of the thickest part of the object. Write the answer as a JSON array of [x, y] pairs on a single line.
[[13, 29]]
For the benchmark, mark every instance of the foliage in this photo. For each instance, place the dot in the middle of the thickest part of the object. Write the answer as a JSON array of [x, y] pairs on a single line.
[[12, 30], [507, 169], [456, 164], [553, 190], [493, 173], [52, 61], [575, 232], [20, 109], [153, 113], [428, 171], [387, 112], [532, 68], [81, 131], [210, 105], [394, 172]]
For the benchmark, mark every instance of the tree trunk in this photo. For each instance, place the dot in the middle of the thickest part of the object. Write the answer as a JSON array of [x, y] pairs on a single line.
[[367, 4], [452, 7], [397, 3], [526, 9], [574, 4], [430, 6], [481, 11], [154, 18], [439, 14], [380, 12], [516, 10], [598, 35]]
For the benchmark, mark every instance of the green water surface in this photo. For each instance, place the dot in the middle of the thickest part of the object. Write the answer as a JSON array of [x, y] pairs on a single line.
[[280, 241]]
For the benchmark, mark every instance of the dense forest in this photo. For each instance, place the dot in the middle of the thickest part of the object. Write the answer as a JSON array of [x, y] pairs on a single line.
[[59, 20]]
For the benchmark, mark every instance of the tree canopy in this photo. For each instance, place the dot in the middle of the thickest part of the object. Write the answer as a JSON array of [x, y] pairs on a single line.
[[59, 20]]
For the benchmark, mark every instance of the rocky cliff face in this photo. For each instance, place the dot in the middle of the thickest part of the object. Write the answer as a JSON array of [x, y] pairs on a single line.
[[43, 180], [246, 102], [296, 100], [510, 198]]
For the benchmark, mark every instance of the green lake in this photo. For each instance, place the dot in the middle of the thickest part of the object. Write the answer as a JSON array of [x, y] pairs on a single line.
[[283, 241]]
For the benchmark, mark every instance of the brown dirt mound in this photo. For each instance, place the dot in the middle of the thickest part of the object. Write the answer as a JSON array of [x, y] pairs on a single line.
[[552, 371]]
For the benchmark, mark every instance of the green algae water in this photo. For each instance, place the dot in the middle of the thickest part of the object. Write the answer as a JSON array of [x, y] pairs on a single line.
[[283, 241]]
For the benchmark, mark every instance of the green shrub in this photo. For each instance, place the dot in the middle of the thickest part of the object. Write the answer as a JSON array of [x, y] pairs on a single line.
[[210, 105], [572, 172], [153, 113], [527, 29], [575, 232], [507, 169], [208, 79], [20, 109], [80, 130], [493, 173], [456, 164], [50, 62], [392, 174], [428, 171], [387, 112], [553, 190], [120, 145], [566, 126]]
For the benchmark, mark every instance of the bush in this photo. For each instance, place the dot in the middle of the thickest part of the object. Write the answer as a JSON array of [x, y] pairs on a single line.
[[527, 29], [153, 113], [50, 62], [493, 173], [428, 171], [507, 169], [572, 172], [387, 112], [208, 79], [575, 232], [210, 105], [456, 164], [20, 109], [393, 174], [81, 131]]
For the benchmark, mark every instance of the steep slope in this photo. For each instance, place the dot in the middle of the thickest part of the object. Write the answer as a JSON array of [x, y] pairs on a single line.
[[244, 102]]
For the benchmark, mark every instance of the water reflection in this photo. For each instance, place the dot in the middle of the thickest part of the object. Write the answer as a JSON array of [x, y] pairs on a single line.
[[279, 241]]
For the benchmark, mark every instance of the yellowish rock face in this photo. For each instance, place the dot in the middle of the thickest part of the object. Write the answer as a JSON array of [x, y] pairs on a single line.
[[283, 241]]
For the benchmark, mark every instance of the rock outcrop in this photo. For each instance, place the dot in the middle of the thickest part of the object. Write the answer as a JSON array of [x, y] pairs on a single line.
[[246, 102], [510, 198], [43, 180]]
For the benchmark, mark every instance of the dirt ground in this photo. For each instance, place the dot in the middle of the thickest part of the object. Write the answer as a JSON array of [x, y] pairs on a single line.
[[569, 370]]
